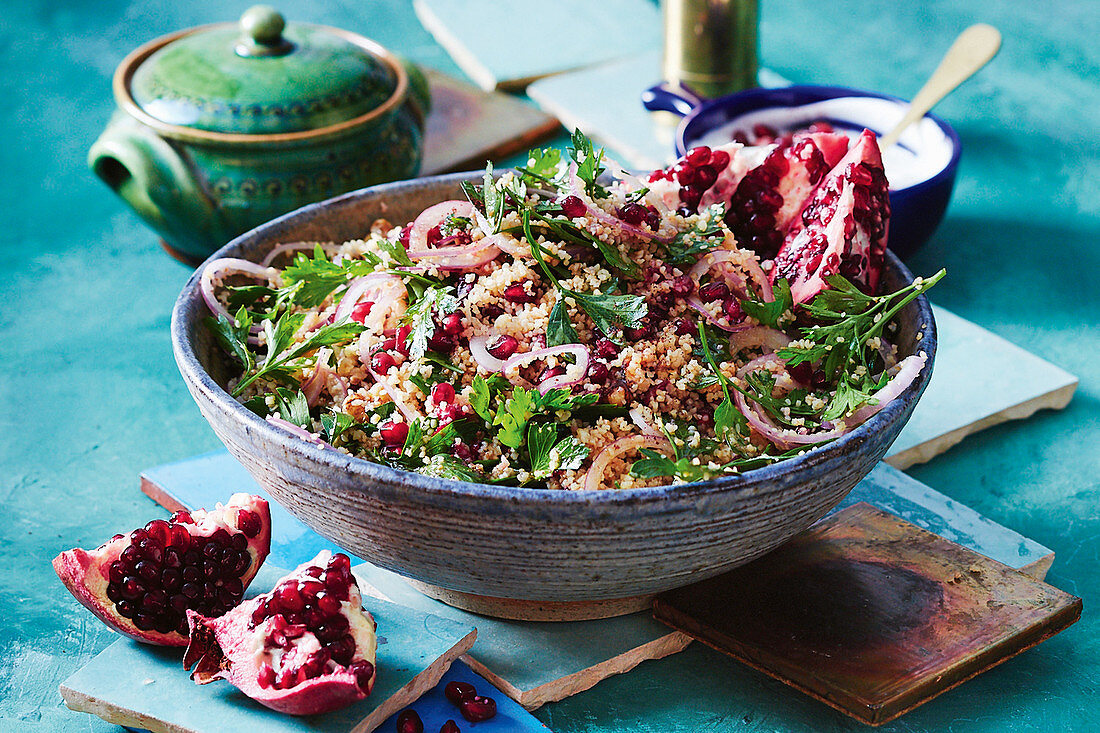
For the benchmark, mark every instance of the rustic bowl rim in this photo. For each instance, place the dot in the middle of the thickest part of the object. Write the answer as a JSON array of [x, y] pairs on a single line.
[[774, 476]]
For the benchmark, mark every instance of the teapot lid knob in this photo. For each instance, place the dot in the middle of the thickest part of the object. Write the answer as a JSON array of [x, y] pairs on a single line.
[[262, 33]]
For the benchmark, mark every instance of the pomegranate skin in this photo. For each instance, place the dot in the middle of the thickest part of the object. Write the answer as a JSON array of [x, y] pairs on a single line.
[[85, 572], [224, 648], [842, 228]]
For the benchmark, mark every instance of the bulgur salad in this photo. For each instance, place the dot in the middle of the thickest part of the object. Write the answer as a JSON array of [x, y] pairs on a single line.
[[569, 325]]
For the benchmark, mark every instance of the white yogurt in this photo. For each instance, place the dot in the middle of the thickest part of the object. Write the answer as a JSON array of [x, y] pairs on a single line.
[[923, 150]]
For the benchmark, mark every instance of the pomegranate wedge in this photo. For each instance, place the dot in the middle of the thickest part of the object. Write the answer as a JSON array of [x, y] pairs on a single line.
[[143, 583], [306, 647], [842, 228]]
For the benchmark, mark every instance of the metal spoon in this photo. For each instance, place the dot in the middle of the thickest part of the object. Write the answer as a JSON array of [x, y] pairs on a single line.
[[972, 50]]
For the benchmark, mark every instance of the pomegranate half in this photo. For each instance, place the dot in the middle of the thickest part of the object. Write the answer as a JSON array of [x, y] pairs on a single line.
[[306, 647], [143, 583]]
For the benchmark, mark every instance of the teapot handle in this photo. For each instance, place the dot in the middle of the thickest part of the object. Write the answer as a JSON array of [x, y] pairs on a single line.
[[147, 172]]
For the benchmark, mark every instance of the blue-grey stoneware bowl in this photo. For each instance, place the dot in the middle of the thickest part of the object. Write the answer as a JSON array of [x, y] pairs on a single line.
[[930, 147], [554, 554]]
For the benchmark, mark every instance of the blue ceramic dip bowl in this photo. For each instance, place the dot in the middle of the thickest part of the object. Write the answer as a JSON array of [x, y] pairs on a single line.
[[518, 552], [921, 168]]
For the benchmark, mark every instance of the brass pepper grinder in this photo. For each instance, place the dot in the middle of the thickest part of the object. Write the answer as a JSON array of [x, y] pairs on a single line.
[[710, 45]]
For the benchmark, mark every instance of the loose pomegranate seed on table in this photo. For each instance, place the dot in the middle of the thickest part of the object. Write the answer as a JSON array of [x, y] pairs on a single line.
[[478, 708], [456, 691], [450, 727], [408, 721]]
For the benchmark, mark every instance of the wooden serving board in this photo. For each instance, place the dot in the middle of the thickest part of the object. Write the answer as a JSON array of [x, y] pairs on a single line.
[[870, 614], [572, 656], [467, 126], [146, 687]]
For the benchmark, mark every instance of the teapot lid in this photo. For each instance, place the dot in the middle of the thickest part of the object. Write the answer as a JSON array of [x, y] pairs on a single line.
[[261, 78]]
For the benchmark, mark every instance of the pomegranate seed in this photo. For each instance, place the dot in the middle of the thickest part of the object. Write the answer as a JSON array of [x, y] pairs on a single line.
[[478, 708], [450, 727], [502, 347], [719, 159], [435, 234], [363, 671], [637, 334], [739, 136], [248, 522], [182, 518], [691, 196], [597, 372], [440, 342], [404, 235], [394, 434], [685, 326], [820, 126], [733, 310], [685, 173], [361, 310], [705, 176], [452, 324], [573, 207], [491, 310], [409, 722], [382, 362], [443, 392], [402, 339], [606, 348], [652, 218], [632, 213], [457, 691], [713, 291], [515, 293], [698, 156], [287, 598]]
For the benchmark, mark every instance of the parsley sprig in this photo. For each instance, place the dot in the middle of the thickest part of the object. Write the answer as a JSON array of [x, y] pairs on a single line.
[[282, 359], [847, 318], [609, 312]]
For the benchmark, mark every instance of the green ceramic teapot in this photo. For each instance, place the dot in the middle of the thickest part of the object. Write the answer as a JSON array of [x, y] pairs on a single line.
[[223, 127]]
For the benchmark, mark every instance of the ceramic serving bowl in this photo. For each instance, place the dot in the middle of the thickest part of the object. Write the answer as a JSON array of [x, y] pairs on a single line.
[[223, 127], [511, 551], [921, 167]]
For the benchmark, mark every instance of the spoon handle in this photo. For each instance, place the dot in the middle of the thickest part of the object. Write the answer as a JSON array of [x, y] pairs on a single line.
[[971, 51]]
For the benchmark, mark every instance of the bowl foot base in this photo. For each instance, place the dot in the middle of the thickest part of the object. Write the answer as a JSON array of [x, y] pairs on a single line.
[[525, 610]]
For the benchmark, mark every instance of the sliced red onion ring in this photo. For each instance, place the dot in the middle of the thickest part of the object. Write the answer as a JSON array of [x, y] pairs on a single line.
[[509, 244], [760, 337], [573, 372], [315, 382], [452, 253], [740, 259], [643, 424], [610, 452], [328, 247], [908, 369], [479, 350], [576, 187], [391, 392], [433, 216], [297, 431], [783, 438], [226, 266]]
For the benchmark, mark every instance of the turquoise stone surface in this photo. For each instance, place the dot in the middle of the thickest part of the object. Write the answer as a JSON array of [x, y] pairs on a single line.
[[90, 396]]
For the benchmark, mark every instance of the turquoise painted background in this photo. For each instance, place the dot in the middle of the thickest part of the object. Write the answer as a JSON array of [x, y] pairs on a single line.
[[89, 394]]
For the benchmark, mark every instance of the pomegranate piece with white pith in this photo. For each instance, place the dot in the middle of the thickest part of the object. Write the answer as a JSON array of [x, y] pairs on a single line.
[[770, 196], [842, 228], [306, 647], [143, 583]]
